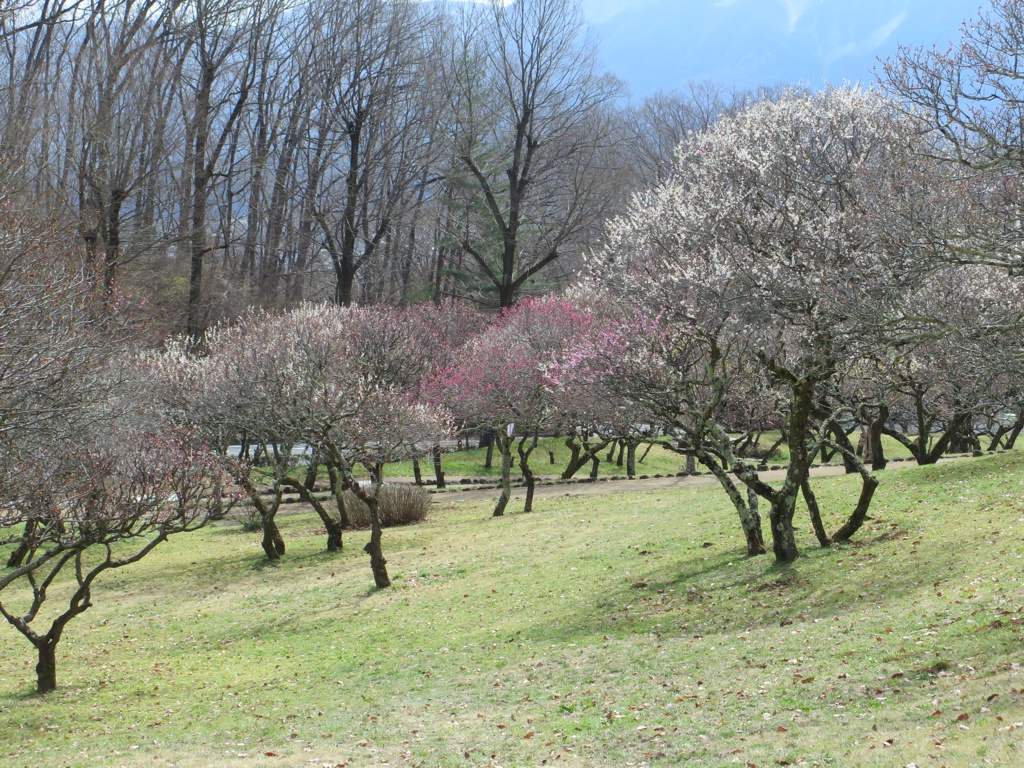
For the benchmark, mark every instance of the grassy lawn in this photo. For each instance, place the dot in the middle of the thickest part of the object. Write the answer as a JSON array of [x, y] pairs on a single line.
[[598, 631]]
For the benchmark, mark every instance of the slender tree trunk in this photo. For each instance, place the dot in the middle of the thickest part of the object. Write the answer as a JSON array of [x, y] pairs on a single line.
[[338, 489], [646, 451], [878, 460], [416, 472], [333, 527], [505, 448], [1011, 441], [815, 512], [524, 464], [373, 547], [574, 457], [784, 507], [435, 455], [860, 512], [631, 459], [842, 439], [746, 509], [924, 431], [867, 491], [581, 455], [272, 543], [312, 471]]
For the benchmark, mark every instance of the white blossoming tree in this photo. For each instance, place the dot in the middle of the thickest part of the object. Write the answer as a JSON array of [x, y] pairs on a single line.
[[764, 250]]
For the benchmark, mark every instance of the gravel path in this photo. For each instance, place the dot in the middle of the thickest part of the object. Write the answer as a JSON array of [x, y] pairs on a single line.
[[618, 486]]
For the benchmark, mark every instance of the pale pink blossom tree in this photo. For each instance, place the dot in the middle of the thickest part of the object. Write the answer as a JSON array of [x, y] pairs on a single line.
[[343, 381], [107, 497], [88, 480]]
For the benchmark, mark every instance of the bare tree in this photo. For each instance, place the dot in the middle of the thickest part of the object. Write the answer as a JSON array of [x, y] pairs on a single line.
[[527, 125], [371, 134], [971, 96], [218, 49]]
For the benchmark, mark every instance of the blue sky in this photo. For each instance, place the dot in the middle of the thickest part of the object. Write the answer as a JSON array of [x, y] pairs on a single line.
[[661, 44]]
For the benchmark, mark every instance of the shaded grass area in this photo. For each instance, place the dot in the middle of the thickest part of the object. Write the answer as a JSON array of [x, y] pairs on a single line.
[[471, 462], [598, 631]]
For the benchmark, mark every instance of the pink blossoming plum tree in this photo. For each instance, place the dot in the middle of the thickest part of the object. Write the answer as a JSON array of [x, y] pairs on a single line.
[[500, 381]]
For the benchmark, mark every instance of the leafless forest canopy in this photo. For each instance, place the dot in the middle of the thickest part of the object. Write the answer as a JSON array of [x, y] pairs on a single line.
[[205, 156]]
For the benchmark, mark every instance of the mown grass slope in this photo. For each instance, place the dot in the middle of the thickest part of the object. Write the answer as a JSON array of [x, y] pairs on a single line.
[[619, 630]]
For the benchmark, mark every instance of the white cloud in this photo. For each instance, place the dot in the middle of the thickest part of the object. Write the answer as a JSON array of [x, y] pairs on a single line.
[[869, 43], [884, 32], [795, 10]]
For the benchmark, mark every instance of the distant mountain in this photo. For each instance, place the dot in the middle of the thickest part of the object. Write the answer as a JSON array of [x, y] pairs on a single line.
[[661, 44]]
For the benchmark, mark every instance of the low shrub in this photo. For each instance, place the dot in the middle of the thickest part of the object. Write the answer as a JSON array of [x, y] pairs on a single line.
[[399, 505], [247, 516]]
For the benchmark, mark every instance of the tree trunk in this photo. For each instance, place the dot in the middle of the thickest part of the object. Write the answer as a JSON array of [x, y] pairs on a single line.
[[860, 513], [581, 454], [273, 544], [333, 527], [751, 522], [574, 457], [878, 460], [646, 451], [417, 473], [373, 547], [867, 490], [843, 440], [435, 454], [1014, 434], [489, 458], [815, 512], [747, 510], [505, 447], [784, 506], [631, 459], [524, 464], [311, 472], [942, 444], [338, 489], [46, 667]]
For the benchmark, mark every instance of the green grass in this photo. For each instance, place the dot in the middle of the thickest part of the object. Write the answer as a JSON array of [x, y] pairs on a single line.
[[598, 631], [471, 462]]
